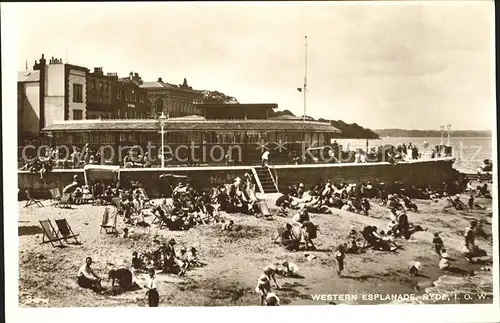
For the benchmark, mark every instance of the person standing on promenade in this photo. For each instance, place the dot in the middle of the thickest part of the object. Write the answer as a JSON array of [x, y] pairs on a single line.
[[265, 158]]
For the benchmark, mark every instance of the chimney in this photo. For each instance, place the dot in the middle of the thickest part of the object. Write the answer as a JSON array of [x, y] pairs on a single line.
[[160, 80]]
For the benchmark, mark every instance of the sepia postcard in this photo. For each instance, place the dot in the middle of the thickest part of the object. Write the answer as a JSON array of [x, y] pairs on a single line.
[[214, 158]]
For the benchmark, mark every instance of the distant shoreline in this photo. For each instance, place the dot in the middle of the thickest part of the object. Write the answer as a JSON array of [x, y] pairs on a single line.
[[432, 133]]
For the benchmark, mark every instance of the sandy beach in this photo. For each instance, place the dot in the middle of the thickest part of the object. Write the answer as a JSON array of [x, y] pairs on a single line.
[[234, 260]]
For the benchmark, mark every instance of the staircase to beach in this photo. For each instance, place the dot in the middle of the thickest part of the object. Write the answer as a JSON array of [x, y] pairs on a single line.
[[266, 182]]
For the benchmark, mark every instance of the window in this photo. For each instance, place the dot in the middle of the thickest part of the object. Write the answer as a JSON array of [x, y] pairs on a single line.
[[93, 85], [77, 93], [77, 114]]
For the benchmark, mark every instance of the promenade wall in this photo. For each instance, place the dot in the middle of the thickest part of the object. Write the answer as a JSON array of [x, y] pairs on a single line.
[[415, 172]]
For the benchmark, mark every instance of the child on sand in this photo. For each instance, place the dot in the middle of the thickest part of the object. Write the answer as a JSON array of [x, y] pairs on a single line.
[[152, 293], [290, 269], [264, 283], [438, 243], [272, 300], [340, 256], [444, 261]]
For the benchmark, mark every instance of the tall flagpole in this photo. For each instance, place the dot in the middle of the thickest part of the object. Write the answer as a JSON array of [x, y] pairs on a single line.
[[305, 83]]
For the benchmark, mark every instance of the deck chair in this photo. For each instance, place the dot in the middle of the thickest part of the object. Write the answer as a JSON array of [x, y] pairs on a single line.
[[50, 233], [31, 200], [109, 221], [65, 201], [251, 195], [116, 202], [264, 208], [145, 196], [55, 195], [65, 230]]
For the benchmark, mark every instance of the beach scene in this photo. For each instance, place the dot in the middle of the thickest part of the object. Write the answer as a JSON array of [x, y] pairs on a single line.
[[341, 155]]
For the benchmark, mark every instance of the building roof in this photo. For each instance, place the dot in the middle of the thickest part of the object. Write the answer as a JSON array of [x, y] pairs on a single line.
[[185, 124], [238, 105], [157, 85], [286, 117], [28, 76]]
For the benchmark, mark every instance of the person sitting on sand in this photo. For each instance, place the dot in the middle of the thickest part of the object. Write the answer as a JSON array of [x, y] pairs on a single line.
[[288, 239], [193, 257], [391, 228], [438, 244], [228, 226], [78, 195], [264, 283], [87, 277], [290, 269], [283, 202], [137, 262], [483, 191], [414, 267], [123, 276], [171, 262], [403, 225], [183, 256], [444, 260], [152, 292]]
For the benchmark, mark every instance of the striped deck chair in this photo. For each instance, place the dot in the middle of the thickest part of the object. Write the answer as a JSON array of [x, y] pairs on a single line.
[[65, 201], [66, 231], [55, 194], [146, 198], [109, 221], [31, 200], [264, 208], [251, 195], [50, 233]]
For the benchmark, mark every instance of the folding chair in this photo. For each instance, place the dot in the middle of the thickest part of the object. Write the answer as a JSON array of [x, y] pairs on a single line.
[[31, 200], [50, 233], [145, 196], [157, 218], [116, 202], [264, 208], [55, 195], [251, 194], [109, 221], [65, 230], [65, 201]]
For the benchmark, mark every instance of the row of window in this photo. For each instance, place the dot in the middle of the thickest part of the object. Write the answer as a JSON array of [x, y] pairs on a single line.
[[130, 96], [101, 86], [183, 137]]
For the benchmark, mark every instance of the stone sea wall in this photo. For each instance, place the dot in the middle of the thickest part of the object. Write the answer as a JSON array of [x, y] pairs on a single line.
[[418, 172]]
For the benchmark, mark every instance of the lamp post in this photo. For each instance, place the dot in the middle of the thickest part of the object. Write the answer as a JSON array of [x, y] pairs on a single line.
[[449, 128], [442, 135], [162, 125]]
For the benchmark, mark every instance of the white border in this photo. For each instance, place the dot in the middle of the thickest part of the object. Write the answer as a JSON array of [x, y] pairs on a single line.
[[387, 313]]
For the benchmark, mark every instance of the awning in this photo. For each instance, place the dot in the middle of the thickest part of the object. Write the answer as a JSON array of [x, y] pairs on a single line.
[[95, 173]]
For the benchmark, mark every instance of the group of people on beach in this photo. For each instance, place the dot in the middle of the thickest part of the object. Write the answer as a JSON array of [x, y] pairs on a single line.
[[164, 259]]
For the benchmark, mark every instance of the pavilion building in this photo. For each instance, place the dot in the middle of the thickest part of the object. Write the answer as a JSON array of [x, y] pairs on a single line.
[[243, 130]]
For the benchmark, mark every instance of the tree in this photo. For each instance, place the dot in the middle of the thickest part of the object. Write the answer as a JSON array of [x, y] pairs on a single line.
[[216, 97]]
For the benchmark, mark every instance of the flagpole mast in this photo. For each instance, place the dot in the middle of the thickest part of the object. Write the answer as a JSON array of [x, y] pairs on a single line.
[[305, 82]]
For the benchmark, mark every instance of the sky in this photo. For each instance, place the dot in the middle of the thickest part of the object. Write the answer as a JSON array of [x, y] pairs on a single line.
[[417, 65]]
